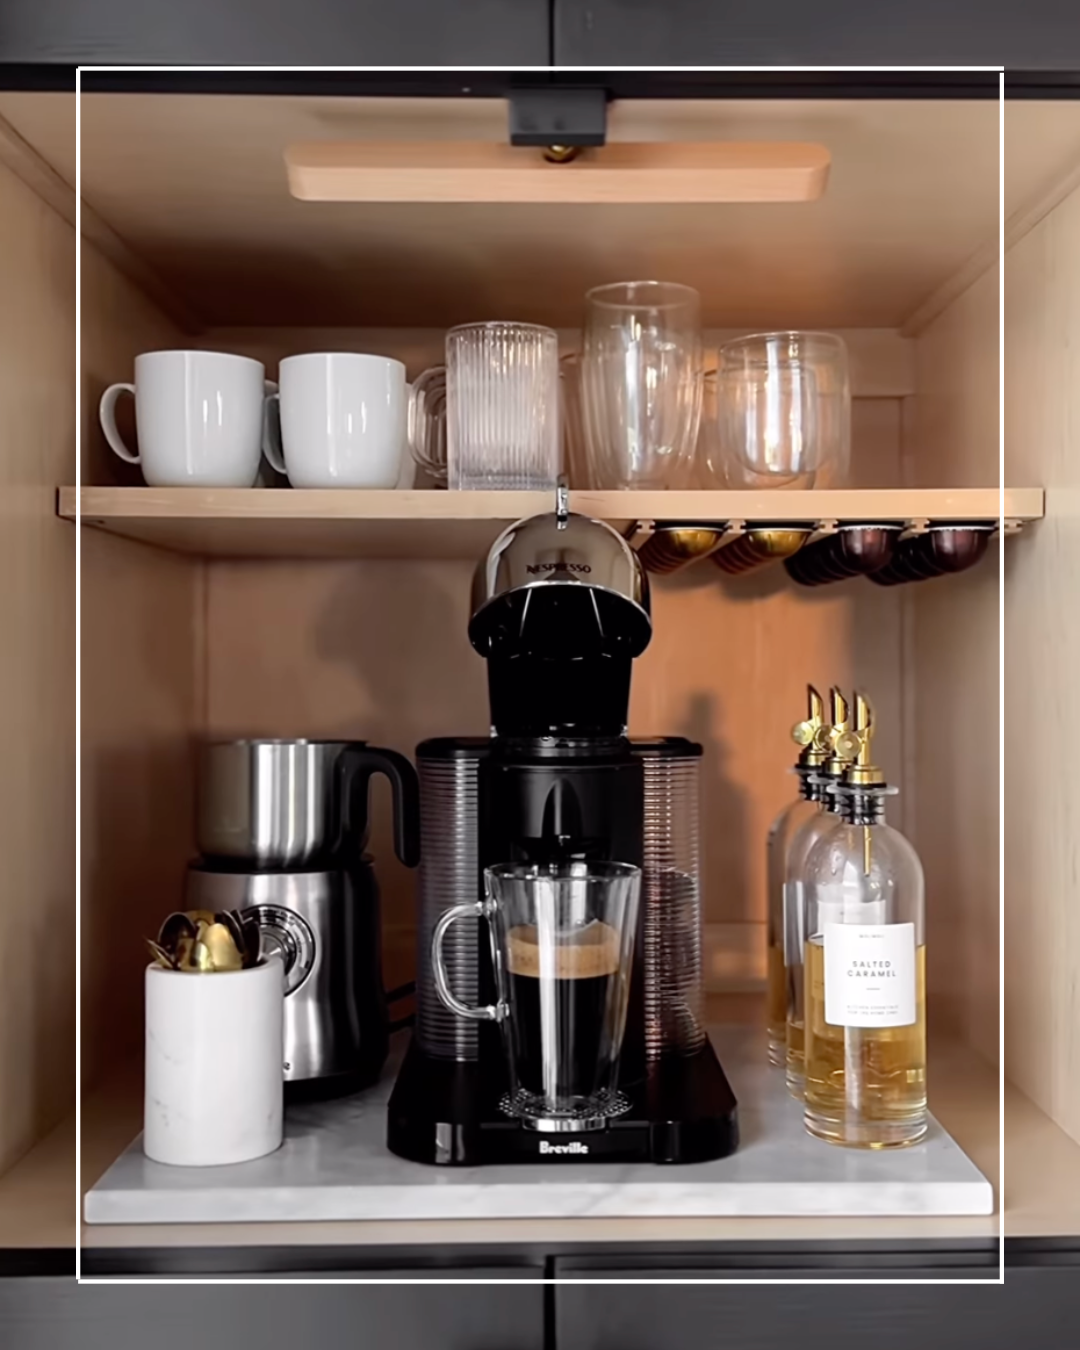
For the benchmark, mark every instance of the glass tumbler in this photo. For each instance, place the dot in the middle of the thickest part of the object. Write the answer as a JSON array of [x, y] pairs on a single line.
[[502, 406], [562, 949], [642, 383], [784, 409]]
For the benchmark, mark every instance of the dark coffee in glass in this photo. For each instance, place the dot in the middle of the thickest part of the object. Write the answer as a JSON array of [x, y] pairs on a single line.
[[565, 1003], [562, 947]]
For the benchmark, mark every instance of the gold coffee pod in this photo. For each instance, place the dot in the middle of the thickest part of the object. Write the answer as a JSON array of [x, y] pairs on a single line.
[[757, 547], [670, 548]]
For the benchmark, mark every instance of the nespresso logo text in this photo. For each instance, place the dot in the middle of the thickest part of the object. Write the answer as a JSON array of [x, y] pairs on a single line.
[[576, 1146], [535, 569]]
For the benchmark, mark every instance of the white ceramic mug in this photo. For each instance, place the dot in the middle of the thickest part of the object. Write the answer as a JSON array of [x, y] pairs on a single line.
[[342, 421], [215, 1075], [199, 418]]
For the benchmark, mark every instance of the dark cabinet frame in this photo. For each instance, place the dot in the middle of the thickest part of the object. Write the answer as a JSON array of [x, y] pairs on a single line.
[[269, 32], [1037, 35], [557, 1297], [465, 83]]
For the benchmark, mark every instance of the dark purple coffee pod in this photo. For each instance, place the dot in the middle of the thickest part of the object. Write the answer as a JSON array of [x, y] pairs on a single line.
[[955, 548], [859, 549]]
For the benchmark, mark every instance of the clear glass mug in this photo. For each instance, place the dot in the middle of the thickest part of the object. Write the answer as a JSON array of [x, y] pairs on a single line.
[[641, 372], [493, 410], [784, 410], [714, 465], [562, 949]]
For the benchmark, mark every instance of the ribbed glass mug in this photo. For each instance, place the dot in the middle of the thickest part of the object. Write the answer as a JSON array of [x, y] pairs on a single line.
[[562, 949], [502, 406], [641, 369]]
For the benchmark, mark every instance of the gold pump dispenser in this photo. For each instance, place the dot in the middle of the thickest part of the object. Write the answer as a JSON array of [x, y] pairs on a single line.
[[855, 745], [837, 735], [808, 733], [860, 771]]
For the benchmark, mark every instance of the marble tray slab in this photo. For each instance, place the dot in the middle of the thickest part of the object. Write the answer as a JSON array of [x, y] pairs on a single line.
[[334, 1165]]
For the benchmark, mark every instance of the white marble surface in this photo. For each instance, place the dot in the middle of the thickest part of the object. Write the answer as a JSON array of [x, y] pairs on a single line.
[[334, 1165]]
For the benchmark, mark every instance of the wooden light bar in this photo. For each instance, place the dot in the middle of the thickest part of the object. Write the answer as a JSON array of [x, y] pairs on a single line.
[[449, 171]]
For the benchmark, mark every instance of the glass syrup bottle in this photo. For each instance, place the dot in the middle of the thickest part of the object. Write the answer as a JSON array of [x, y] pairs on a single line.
[[818, 826], [783, 829], [865, 967]]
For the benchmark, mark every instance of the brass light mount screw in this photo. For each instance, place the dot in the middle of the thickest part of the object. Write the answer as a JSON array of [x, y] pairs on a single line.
[[561, 154]]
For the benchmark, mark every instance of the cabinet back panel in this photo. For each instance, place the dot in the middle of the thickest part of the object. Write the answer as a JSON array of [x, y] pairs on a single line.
[[379, 650]]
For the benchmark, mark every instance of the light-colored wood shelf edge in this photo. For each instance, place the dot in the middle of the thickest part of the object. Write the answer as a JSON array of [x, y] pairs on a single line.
[[344, 523], [100, 504]]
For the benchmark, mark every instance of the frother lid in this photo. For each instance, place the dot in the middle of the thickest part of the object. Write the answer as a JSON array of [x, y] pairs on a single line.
[[565, 552]]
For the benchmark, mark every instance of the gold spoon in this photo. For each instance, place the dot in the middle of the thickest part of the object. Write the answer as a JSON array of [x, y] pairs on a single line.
[[220, 947], [161, 956]]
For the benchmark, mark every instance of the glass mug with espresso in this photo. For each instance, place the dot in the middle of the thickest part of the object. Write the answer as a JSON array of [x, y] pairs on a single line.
[[562, 947]]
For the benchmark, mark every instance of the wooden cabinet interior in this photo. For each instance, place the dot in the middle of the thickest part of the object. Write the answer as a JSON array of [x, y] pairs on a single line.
[[37, 670], [1042, 626], [180, 640]]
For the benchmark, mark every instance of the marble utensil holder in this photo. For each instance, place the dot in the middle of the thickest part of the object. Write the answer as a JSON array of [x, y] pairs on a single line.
[[214, 1064]]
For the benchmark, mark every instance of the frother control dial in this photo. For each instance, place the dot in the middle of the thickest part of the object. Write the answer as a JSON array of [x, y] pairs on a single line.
[[287, 935]]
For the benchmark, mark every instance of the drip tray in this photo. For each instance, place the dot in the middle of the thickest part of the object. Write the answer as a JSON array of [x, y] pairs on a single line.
[[334, 1165]]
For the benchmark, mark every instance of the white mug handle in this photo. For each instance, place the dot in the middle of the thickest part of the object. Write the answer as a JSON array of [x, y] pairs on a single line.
[[107, 417], [271, 449]]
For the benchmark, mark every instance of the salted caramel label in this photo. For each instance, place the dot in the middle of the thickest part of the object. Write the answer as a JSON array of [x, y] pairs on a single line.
[[870, 974]]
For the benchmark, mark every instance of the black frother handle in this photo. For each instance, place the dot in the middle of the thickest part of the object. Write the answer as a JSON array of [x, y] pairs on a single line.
[[355, 766]]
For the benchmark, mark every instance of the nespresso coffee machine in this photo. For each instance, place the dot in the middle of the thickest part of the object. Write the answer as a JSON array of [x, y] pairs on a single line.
[[560, 611]]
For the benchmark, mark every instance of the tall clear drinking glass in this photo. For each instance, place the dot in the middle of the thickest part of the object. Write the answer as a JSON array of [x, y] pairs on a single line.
[[502, 406], [784, 409], [562, 948], [641, 369]]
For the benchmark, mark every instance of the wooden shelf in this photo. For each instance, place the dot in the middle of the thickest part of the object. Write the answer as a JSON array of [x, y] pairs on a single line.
[[269, 523]]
